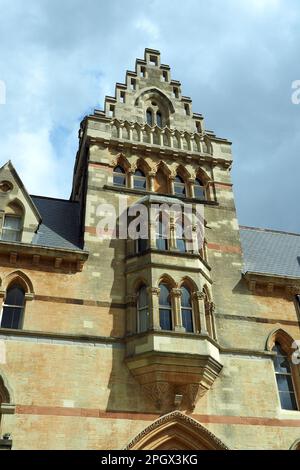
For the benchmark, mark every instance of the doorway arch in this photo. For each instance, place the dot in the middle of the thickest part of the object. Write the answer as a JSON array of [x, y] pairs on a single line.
[[176, 431]]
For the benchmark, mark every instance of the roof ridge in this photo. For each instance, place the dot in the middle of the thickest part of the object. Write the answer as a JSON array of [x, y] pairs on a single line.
[[269, 230], [53, 198]]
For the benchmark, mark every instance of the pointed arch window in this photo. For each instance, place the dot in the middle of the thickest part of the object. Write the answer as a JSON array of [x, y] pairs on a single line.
[[119, 176], [142, 310], [13, 308], [284, 379], [159, 119], [149, 117], [199, 189], [165, 308], [161, 234], [139, 179], [180, 237], [186, 310], [179, 186]]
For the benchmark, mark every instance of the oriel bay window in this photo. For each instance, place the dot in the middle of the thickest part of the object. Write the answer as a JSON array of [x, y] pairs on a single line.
[[180, 237], [179, 186], [139, 180], [162, 233], [13, 308], [165, 308], [199, 190], [186, 310], [119, 176], [142, 310]]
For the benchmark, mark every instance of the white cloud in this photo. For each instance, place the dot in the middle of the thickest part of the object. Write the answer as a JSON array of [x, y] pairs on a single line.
[[57, 64]]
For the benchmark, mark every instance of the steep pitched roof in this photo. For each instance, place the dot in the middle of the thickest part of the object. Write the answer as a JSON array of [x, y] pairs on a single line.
[[270, 251], [10, 167], [60, 223]]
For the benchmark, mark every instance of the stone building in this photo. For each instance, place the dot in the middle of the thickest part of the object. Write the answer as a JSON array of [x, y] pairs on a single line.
[[160, 342]]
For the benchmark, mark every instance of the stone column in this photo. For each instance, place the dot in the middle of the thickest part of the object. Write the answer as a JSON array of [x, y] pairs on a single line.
[[120, 131], [151, 176], [130, 178], [151, 136], [176, 307], [153, 295], [161, 138], [198, 298], [172, 239], [171, 182], [131, 132], [131, 314], [191, 183], [211, 317]]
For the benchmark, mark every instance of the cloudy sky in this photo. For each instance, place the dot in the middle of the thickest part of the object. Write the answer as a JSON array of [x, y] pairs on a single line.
[[236, 59]]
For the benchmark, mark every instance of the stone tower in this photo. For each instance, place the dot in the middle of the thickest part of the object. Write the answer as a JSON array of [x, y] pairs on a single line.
[[168, 340]]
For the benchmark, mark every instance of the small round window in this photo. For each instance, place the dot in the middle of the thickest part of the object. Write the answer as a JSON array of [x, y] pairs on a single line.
[[5, 186]]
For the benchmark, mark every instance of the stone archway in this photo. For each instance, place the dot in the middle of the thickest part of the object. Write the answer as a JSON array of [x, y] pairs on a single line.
[[176, 431]]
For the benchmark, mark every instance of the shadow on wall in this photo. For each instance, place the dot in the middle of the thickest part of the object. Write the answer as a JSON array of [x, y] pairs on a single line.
[[125, 393]]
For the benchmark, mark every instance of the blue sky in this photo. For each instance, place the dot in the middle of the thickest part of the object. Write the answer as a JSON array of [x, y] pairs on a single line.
[[236, 59]]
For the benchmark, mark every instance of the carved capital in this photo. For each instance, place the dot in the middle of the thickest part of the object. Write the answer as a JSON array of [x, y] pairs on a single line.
[[153, 290], [175, 292], [198, 295]]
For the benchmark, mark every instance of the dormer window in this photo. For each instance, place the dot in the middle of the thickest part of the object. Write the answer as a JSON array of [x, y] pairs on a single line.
[[12, 224], [12, 228]]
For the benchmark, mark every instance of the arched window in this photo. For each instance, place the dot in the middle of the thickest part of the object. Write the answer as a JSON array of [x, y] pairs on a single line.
[[13, 308], [161, 182], [142, 310], [119, 176], [180, 237], [284, 379], [159, 119], [179, 186], [13, 223], [186, 310], [149, 117], [162, 236], [165, 308], [139, 180], [199, 189]]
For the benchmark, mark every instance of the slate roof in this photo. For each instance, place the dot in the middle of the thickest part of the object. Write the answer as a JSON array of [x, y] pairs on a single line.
[[60, 223], [270, 251]]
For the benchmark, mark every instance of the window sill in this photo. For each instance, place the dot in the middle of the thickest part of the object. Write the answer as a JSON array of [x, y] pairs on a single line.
[[121, 189]]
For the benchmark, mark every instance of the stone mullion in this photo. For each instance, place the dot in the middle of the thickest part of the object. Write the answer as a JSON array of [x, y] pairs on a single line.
[[172, 234], [191, 183], [176, 308], [153, 294], [198, 297]]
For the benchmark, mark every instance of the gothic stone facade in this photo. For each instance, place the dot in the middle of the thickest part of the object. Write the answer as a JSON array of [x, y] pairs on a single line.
[[112, 343]]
